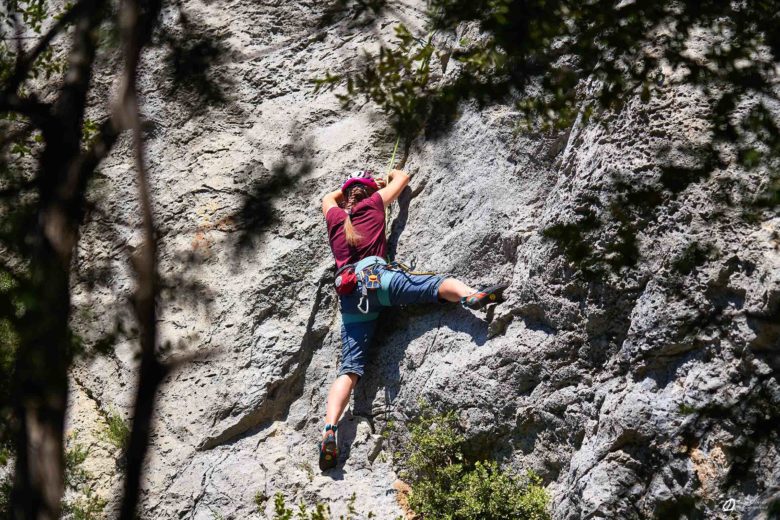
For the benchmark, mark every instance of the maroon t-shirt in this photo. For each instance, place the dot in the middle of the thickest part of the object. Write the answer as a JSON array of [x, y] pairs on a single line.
[[368, 217]]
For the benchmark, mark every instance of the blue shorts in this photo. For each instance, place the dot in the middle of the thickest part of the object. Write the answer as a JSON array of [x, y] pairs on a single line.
[[357, 329]]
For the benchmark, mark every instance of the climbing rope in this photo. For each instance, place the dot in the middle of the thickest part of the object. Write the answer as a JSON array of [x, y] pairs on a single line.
[[424, 66], [392, 159], [387, 181]]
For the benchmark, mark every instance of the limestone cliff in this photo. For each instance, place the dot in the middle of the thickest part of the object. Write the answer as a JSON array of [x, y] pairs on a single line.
[[633, 364]]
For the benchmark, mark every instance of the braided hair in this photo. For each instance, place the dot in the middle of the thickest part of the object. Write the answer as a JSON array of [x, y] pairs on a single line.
[[354, 194]]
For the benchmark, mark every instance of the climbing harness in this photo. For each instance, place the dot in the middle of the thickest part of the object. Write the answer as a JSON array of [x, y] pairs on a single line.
[[372, 273], [368, 274]]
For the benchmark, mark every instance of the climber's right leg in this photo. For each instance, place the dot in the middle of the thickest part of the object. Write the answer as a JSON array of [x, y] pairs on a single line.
[[357, 331], [338, 397]]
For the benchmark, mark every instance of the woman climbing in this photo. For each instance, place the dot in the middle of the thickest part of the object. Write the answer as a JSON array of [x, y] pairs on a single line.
[[355, 215]]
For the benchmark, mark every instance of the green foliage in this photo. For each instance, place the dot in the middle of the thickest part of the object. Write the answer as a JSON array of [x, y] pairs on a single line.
[[320, 512], [446, 485], [398, 81], [686, 409], [564, 58], [32, 12], [31, 15], [260, 501], [117, 430], [89, 130], [81, 501], [282, 512], [75, 455], [89, 506]]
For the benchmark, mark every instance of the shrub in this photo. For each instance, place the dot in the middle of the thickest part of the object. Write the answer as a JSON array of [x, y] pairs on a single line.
[[282, 512], [118, 432], [445, 485], [89, 506], [320, 511], [80, 501]]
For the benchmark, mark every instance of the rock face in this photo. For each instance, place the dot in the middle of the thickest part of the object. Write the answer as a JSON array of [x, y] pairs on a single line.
[[633, 364]]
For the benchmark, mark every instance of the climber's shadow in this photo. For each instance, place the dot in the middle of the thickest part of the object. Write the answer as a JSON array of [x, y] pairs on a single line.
[[346, 438], [399, 222], [347, 433], [397, 328]]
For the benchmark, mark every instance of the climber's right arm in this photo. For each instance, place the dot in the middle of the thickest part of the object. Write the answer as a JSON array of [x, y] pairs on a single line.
[[398, 181], [331, 200]]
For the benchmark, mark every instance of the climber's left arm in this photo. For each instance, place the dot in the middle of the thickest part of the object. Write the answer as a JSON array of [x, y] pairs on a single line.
[[331, 200]]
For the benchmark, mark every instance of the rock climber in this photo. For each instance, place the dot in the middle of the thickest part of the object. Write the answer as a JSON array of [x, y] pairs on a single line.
[[365, 282]]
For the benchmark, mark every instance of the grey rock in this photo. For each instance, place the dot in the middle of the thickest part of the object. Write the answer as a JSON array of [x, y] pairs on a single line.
[[648, 390]]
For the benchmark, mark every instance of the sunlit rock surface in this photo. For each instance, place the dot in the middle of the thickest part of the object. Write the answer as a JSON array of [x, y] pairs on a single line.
[[637, 375]]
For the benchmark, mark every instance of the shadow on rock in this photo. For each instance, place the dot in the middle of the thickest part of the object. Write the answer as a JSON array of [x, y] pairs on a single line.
[[386, 355], [193, 57], [257, 213], [358, 12]]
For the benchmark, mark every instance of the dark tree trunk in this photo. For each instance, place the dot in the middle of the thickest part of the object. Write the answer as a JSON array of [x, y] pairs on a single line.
[[40, 386]]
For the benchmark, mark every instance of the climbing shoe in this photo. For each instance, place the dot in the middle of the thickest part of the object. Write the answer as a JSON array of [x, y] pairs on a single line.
[[481, 298], [329, 450]]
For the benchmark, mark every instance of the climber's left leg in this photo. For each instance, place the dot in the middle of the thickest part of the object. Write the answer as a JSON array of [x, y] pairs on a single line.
[[452, 290], [408, 289]]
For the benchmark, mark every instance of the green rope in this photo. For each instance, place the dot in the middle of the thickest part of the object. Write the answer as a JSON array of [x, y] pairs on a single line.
[[392, 159], [387, 181]]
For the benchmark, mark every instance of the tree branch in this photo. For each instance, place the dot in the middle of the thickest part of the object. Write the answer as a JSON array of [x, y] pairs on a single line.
[[136, 21], [39, 113], [71, 102], [25, 62], [83, 168], [13, 191]]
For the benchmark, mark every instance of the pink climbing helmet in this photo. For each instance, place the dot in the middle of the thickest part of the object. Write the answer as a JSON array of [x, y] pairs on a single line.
[[364, 177]]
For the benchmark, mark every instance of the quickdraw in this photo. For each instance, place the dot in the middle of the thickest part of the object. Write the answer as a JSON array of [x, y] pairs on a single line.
[[400, 266]]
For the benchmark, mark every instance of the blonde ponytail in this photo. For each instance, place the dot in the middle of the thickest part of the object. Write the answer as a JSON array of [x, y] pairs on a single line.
[[351, 234]]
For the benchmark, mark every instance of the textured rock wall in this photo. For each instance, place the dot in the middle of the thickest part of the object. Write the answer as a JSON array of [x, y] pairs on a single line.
[[646, 388]]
